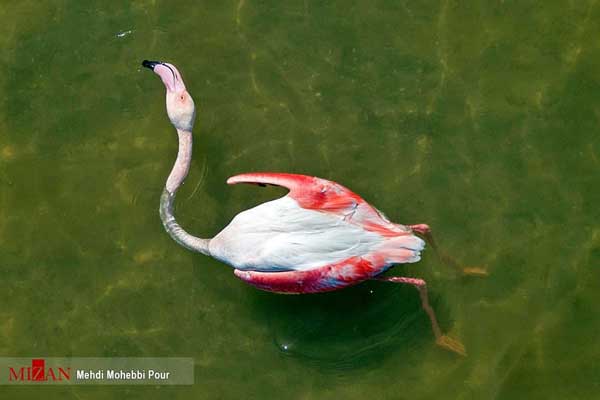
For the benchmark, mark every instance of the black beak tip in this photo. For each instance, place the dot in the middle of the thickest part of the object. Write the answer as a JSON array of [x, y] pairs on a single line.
[[150, 64]]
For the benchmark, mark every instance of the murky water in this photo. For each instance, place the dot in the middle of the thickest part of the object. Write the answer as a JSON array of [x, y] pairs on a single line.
[[480, 119]]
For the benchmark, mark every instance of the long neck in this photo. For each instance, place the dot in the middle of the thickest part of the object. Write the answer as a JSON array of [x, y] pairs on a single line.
[[176, 178]]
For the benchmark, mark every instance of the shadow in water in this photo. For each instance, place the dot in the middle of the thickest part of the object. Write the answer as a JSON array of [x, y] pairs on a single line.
[[351, 328]]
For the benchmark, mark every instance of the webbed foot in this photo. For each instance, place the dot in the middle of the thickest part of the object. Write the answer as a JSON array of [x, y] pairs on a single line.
[[450, 344]]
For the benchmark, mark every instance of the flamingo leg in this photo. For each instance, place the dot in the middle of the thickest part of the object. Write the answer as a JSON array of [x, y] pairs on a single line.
[[425, 231], [441, 340]]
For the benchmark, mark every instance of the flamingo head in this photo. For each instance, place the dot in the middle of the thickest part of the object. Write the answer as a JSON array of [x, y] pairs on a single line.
[[180, 105]]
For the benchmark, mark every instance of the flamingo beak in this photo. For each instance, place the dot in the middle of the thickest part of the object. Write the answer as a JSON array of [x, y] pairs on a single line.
[[167, 72], [150, 64]]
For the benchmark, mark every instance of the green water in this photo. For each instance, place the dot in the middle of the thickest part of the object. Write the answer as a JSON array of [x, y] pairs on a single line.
[[479, 118]]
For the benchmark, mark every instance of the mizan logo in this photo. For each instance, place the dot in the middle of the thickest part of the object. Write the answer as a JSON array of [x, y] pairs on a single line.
[[38, 372]]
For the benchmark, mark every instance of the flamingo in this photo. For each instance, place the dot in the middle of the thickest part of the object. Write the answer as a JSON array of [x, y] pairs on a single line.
[[320, 237]]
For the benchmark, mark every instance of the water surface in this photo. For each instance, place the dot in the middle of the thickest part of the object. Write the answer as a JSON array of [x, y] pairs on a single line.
[[480, 119]]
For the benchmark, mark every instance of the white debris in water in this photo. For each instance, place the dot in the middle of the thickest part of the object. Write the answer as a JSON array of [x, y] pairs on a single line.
[[285, 347], [124, 33]]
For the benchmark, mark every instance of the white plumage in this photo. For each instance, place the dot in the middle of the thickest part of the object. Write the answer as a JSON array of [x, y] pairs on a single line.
[[281, 236]]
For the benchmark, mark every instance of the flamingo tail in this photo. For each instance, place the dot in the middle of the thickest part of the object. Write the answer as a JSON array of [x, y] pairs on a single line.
[[401, 249]]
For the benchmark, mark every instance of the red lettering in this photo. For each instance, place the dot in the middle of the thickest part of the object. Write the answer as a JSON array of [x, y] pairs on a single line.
[[37, 367], [38, 372], [51, 374], [13, 376], [62, 373]]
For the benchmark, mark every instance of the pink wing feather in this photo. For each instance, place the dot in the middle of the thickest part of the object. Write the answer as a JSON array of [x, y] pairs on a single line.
[[326, 196], [324, 279], [310, 192]]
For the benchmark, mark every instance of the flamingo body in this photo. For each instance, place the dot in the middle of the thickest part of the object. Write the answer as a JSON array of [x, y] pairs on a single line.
[[319, 237]]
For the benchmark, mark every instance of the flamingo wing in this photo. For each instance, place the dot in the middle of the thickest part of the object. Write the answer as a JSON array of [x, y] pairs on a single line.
[[330, 277], [310, 192], [322, 195]]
